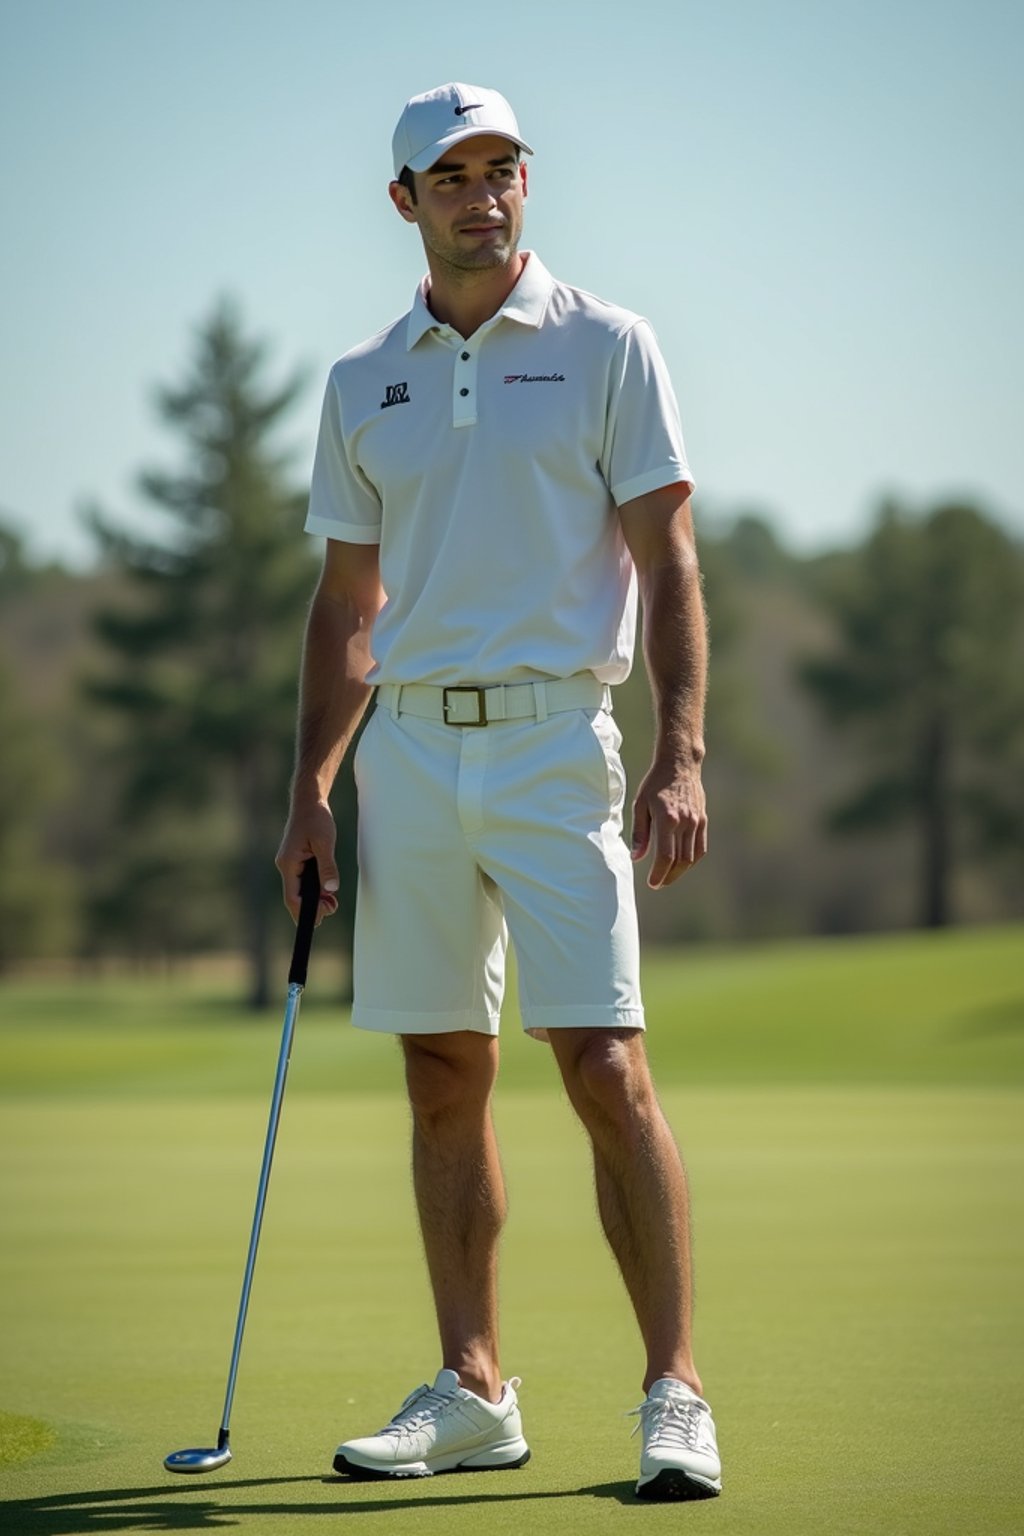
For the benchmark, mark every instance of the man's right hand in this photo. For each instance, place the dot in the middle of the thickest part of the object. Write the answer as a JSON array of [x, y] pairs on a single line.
[[310, 833]]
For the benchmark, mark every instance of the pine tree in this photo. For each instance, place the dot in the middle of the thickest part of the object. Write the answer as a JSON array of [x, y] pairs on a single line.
[[205, 657]]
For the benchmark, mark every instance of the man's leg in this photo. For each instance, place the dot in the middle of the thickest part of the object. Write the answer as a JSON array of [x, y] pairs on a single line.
[[641, 1188], [460, 1194]]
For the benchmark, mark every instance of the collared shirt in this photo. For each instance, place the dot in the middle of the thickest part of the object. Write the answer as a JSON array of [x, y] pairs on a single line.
[[489, 470]]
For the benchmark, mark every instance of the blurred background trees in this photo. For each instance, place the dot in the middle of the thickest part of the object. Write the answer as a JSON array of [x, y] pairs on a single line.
[[26, 786], [203, 647], [927, 676], [865, 724]]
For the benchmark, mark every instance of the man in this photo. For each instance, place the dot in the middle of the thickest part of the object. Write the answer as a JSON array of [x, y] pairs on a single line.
[[495, 473]]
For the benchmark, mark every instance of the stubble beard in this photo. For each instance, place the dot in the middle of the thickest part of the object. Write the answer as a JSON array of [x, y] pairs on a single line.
[[467, 258]]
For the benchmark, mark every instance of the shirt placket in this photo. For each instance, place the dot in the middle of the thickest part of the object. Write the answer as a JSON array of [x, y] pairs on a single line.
[[464, 407]]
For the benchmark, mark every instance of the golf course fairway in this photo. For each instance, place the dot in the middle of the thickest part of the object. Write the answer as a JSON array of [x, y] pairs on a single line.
[[851, 1115]]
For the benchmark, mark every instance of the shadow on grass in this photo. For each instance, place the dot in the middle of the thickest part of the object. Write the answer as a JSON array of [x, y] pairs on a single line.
[[166, 1508], [1003, 1017]]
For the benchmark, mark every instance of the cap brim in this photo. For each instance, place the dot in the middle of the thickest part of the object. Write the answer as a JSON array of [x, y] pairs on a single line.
[[433, 152]]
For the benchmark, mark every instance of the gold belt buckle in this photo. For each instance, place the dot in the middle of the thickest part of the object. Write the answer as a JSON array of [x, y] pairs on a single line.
[[481, 705]]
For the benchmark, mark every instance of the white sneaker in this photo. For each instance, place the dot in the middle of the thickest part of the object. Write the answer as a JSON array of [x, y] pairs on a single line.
[[443, 1428], [679, 1459]]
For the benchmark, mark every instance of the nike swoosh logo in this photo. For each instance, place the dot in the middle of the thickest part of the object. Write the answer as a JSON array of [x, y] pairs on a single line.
[[471, 108]]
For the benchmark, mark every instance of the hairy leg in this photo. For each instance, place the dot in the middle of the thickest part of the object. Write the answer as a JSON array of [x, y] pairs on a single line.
[[641, 1185], [460, 1195]]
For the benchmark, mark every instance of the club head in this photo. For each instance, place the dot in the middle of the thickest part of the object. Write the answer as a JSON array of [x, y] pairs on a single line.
[[198, 1460]]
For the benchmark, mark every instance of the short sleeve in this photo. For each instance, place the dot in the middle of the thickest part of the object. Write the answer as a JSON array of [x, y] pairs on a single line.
[[342, 503], [643, 443]]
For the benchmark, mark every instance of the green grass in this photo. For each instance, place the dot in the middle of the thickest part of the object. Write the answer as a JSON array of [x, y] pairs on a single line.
[[921, 1008], [21, 1438], [852, 1117]]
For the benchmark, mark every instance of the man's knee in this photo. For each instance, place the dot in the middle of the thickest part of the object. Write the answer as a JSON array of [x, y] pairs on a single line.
[[449, 1074], [606, 1074]]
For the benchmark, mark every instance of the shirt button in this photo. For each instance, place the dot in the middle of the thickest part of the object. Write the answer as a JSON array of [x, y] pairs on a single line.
[[465, 357], [463, 391]]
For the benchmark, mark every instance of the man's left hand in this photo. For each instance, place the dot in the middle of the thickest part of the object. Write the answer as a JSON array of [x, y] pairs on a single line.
[[670, 816]]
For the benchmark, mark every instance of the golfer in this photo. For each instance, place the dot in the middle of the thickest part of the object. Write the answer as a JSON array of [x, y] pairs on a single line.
[[497, 473]]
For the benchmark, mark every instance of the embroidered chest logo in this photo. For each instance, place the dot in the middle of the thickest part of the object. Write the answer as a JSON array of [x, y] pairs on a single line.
[[535, 378], [395, 394]]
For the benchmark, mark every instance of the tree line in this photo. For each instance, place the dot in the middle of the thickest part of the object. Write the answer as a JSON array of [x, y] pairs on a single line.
[[865, 720]]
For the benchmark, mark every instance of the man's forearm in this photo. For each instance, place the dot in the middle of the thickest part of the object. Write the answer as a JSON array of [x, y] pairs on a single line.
[[676, 653], [333, 693]]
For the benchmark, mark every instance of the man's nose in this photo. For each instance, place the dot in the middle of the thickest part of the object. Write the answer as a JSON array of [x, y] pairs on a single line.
[[480, 194]]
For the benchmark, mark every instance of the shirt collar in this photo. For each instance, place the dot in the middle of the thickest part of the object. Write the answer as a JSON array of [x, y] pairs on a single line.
[[526, 303]]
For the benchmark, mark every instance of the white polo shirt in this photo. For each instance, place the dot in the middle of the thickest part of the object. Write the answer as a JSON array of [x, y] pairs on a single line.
[[489, 471]]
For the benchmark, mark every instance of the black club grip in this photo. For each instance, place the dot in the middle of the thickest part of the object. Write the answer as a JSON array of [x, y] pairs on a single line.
[[309, 894]]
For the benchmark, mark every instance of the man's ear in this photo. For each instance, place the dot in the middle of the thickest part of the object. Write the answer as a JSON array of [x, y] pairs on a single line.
[[399, 195], [522, 177]]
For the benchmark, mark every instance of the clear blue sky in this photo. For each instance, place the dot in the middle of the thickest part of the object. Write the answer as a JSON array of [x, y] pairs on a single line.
[[816, 202]]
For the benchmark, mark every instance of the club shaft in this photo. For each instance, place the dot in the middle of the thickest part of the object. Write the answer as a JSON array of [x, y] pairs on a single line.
[[284, 1056]]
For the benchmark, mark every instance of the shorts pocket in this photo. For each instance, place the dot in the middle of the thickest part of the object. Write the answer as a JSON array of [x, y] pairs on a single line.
[[368, 726], [608, 739]]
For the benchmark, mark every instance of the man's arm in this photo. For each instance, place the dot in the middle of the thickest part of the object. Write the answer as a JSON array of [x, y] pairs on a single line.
[[333, 697], [669, 808]]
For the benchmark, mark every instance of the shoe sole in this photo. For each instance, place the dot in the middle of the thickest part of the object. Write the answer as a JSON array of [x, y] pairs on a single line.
[[361, 1474], [673, 1484]]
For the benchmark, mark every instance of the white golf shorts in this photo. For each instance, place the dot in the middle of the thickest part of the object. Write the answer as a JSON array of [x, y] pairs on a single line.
[[469, 836]]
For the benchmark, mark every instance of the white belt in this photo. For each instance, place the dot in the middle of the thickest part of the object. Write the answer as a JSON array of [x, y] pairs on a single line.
[[471, 706]]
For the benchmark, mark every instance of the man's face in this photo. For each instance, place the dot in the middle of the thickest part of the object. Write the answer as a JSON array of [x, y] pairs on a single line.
[[469, 206]]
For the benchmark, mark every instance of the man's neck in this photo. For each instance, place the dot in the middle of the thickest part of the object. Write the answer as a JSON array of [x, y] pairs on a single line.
[[466, 300]]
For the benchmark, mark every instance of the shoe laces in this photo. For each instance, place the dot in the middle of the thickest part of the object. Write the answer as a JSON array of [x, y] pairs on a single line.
[[420, 1407], [669, 1421]]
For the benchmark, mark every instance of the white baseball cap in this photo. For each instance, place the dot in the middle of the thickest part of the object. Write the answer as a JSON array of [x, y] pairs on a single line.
[[433, 122]]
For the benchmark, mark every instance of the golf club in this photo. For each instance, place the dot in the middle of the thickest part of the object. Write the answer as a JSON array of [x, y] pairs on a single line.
[[212, 1457]]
